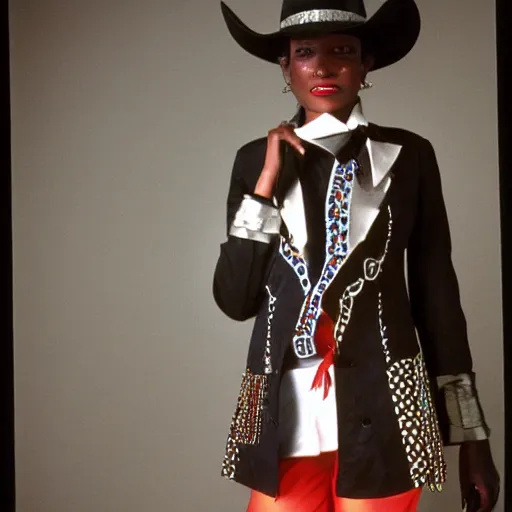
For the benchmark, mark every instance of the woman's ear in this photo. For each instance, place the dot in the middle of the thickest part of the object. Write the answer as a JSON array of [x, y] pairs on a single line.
[[284, 62]]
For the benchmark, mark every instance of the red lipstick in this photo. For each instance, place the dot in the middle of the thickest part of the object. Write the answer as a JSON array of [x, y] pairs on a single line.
[[325, 90]]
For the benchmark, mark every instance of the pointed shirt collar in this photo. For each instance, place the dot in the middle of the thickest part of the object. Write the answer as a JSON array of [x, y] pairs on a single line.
[[327, 125], [325, 129]]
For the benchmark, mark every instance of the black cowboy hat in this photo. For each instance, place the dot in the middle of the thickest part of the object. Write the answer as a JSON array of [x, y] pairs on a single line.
[[388, 35]]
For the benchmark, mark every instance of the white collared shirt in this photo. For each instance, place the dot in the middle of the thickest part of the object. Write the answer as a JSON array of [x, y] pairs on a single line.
[[326, 125]]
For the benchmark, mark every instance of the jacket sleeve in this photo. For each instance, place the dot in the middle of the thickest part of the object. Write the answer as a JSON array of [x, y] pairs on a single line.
[[253, 227], [437, 311]]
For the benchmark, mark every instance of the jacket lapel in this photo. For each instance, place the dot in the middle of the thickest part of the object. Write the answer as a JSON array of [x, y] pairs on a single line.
[[372, 183], [293, 215]]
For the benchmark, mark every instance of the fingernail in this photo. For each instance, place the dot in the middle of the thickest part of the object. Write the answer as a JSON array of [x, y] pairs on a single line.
[[302, 151]]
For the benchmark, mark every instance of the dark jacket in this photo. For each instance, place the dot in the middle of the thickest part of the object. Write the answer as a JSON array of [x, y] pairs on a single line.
[[392, 417]]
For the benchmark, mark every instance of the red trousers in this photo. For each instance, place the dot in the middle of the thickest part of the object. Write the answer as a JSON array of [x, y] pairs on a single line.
[[307, 484]]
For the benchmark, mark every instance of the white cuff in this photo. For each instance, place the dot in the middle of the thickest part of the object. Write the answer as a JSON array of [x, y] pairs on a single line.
[[256, 221], [467, 422]]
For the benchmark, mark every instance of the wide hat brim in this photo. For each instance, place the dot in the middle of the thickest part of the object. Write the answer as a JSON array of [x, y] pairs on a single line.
[[389, 35]]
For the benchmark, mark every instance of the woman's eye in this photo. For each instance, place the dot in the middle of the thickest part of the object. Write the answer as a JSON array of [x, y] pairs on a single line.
[[304, 52], [344, 50]]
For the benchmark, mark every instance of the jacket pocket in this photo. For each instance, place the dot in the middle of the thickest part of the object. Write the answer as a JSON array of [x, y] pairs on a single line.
[[247, 420], [417, 420]]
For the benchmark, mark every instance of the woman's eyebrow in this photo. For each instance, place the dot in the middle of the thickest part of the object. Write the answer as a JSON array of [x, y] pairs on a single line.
[[305, 41]]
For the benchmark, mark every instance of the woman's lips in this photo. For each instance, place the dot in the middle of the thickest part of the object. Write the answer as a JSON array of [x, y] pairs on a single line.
[[324, 90]]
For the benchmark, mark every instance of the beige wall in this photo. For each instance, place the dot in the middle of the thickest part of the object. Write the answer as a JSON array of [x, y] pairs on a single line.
[[126, 116]]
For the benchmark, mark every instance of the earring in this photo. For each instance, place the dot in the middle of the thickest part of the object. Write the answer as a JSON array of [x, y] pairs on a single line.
[[286, 88], [366, 85]]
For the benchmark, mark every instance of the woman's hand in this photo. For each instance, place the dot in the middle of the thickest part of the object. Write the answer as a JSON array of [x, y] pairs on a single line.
[[272, 165], [479, 479]]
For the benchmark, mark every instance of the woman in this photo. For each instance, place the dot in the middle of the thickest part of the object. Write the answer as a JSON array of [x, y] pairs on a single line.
[[342, 406]]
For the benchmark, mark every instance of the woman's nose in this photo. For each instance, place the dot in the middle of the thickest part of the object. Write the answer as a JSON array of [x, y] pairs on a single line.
[[322, 69]]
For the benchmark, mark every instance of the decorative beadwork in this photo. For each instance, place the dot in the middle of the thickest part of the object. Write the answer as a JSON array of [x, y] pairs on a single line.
[[268, 343], [417, 420], [247, 420], [437, 475], [297, 262], [383, 333], [336, 250], [371, 269], [231, 459], [346, 305], [321, 15]]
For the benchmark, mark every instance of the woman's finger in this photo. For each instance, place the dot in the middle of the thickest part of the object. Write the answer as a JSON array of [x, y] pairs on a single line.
[[289, 136]]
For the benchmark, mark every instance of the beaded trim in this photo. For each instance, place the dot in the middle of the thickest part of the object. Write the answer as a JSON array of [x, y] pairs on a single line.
[[417, 420], [336, 250], [297, 262], [247, 420], [267, 358], [371, 268], [383, 333], [321, 15], [409, 385]]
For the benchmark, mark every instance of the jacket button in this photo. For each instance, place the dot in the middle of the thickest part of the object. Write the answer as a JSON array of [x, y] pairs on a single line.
[[366, 422]]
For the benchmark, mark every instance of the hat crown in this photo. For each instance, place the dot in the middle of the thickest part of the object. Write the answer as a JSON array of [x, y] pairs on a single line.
[[389, 35], [295, 7]]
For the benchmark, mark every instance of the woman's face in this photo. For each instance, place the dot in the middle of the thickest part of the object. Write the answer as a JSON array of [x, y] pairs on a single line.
[[326, 74]]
